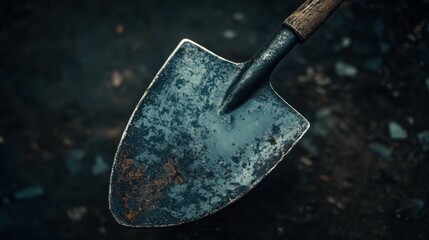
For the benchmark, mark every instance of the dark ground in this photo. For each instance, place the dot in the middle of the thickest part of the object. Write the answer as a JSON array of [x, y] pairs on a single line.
[[71, 73]]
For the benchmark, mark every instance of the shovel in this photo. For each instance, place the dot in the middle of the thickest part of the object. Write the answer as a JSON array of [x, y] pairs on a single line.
[[207, 130]]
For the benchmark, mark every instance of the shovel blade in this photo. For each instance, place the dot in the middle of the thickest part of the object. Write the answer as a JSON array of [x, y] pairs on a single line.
[[179, 159]]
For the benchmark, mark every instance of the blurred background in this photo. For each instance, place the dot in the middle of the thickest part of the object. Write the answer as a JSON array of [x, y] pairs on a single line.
[[71, 73]]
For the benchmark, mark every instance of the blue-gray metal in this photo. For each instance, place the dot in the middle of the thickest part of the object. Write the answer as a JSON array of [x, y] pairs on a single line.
[[258, 69], [179, 159]]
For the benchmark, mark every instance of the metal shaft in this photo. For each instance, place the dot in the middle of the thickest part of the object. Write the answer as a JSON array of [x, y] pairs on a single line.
[[258, 69]]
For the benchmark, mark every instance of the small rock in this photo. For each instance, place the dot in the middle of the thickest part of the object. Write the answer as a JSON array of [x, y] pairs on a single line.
[[427, 83], [238, 16], [68, 142], [346, 184], [345, 70], [35, 146], [229, 34], [424, 139], [419, 27], [99, 167], [29, 193], [1, 140], [396, 131], [411, 37], [331, 200], [325, 123], [378, 28], [334, 201], [280, 231], [380, 149], [417, 206], [119, 29], [102, 230], [73, 160], [306, 161], [410, 120], [384, 47], [117, 79], [345, 43], [373, 64], [396, 93], [321, 79], [76, 213], [324, 178], [340, 205]]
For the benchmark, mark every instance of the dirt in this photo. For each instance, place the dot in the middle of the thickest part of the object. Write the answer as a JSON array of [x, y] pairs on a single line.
[[71, 73]]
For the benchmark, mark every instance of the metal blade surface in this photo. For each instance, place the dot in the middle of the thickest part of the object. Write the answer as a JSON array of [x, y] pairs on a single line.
[[179, 159]]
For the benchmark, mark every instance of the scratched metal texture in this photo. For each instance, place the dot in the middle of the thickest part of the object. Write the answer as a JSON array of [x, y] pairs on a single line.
[[179, 159]]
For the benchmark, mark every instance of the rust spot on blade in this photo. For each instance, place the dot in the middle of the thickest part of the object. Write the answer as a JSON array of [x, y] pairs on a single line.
[[136, 192]]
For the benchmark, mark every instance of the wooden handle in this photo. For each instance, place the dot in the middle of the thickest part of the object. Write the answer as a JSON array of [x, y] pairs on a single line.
[[310, 15]]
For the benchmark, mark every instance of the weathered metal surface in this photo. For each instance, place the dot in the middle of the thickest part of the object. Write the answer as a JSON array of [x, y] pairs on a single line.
[[257, 70], [179, 159]]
